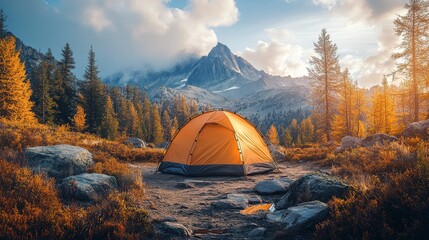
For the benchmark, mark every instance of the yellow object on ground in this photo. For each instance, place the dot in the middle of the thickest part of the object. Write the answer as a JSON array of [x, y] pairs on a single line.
[[256, 209]]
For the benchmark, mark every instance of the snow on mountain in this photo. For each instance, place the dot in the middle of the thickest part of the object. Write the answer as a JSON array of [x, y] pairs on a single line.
[[222, 80]]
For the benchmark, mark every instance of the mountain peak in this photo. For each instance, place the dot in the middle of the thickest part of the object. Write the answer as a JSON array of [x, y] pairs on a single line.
[[220, 50]]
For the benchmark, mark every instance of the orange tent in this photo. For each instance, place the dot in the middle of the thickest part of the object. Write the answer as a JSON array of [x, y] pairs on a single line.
[[217, 143]]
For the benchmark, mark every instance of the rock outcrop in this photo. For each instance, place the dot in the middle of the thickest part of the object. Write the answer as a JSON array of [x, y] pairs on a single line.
[[377, 139], [348, 142], [311, 187], [417, 129], [88, 186], [59, 161], [135, 142]]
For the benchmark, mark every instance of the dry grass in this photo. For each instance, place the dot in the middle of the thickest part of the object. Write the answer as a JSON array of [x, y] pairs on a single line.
[[29, 204], [308, 153], [393, 197]]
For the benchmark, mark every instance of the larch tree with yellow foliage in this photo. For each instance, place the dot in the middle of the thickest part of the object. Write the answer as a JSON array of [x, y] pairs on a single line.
[[15, 91], [382, 115], [273, 135], [157, 131], [79, 121], [307, 130], [342, 125]]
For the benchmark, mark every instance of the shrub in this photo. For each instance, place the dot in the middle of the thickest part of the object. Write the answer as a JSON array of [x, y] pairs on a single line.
[[30, 209], [309, 153], [29, 206], [127, 177], [395, 205], [128, 154]]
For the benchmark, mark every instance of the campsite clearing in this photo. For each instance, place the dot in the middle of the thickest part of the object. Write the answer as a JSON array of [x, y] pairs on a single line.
[[188, 200]]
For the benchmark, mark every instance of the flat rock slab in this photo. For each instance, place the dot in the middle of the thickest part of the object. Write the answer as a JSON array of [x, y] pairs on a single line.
[[88, 186], [271, 186], [59, 161]]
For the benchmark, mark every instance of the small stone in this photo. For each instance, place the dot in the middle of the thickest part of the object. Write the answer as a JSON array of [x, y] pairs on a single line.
[[176, 229]]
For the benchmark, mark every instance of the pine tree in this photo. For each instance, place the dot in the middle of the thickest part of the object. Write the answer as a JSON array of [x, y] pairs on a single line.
[[122, 114], [132, 119], [166, 125], [15, 91], [157, 131], [43, 93], [174, 127], [324, 73], [272, 135], [93, 92], [294, 130], [3, 29], [181, 109], [79, 119], [193, 108], [146, 121], [307, 130], [287, 139], [414, 58], [67, 100], [109, 123]]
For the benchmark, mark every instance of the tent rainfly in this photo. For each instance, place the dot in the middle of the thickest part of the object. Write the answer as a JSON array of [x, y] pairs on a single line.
[[217, 143]]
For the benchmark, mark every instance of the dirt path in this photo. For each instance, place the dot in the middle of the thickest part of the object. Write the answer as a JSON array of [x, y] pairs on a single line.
[[192, 206]]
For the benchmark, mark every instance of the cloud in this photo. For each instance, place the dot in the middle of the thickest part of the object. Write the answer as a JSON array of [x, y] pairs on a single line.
[[326, 3], [362, 10], [278, 57], [96, 18], [126, 34], [379, 15], [370, 70]]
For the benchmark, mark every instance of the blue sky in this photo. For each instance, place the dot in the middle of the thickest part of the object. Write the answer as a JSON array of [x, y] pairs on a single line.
[[274, 35]]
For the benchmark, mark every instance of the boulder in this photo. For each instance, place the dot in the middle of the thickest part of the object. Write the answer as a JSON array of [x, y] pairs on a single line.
[[417, 129], [271, 186], [304, 216], [176, 229], [257, 232], [88, 186], [348, 142], [135, 142], [377, 139], [59, 161], [277, 152], [316, 186]]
